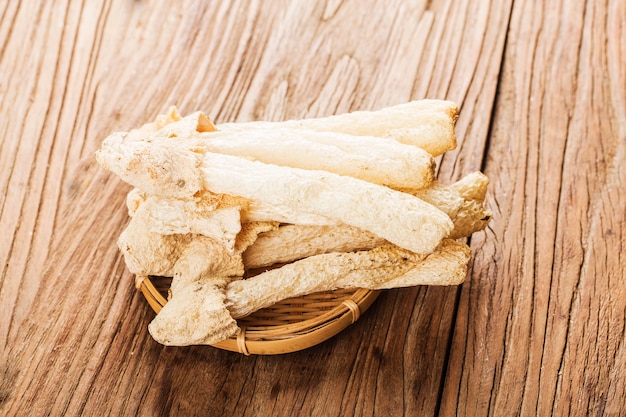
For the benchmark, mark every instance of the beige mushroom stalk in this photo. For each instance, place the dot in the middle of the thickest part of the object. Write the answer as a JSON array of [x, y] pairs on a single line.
[[341, 202]]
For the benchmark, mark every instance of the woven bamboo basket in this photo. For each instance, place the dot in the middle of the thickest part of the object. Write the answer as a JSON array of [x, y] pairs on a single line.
[[287, 326]]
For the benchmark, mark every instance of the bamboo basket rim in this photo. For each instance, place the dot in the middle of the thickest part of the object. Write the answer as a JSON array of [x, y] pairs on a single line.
[[287, 326]]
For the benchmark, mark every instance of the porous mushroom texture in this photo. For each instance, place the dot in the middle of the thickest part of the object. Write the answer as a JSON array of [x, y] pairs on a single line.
[[197, 315], [161, 170], [427, 124], [473, 186], [147, 253], [243, 215], [385, 266], [398, 217], [381, 161], [291, 242]]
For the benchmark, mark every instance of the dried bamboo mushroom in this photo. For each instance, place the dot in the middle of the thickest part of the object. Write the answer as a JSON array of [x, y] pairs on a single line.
[[345, 201]]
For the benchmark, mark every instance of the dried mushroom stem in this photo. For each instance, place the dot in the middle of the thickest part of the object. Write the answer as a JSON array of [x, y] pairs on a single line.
[[203, 307], [355, 194], [428, 124], [290, 242], [383, 267], [398, 217], [196, 315], [382, 161]]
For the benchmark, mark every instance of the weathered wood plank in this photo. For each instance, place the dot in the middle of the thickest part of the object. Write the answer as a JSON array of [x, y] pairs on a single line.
[[540, 328]]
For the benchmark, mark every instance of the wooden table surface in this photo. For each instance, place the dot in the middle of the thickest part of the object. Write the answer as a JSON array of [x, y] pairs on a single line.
[[538, 328]]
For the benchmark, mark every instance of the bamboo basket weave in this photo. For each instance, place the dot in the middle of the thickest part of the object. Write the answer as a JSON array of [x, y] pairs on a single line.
[[287, 326]]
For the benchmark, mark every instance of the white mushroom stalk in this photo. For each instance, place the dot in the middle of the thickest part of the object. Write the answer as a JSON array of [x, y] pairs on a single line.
[[345, 201]]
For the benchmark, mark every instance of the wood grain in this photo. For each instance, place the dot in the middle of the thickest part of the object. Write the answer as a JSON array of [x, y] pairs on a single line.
[[552, 267], [538, 329]]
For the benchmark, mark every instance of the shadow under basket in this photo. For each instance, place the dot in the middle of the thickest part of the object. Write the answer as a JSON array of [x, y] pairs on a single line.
[[287, 326]]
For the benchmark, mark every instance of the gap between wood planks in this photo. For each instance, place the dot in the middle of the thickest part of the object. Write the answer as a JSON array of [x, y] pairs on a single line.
[[483, 163]]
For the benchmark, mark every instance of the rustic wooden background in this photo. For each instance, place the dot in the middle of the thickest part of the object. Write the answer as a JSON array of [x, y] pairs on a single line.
[[537, 329]]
